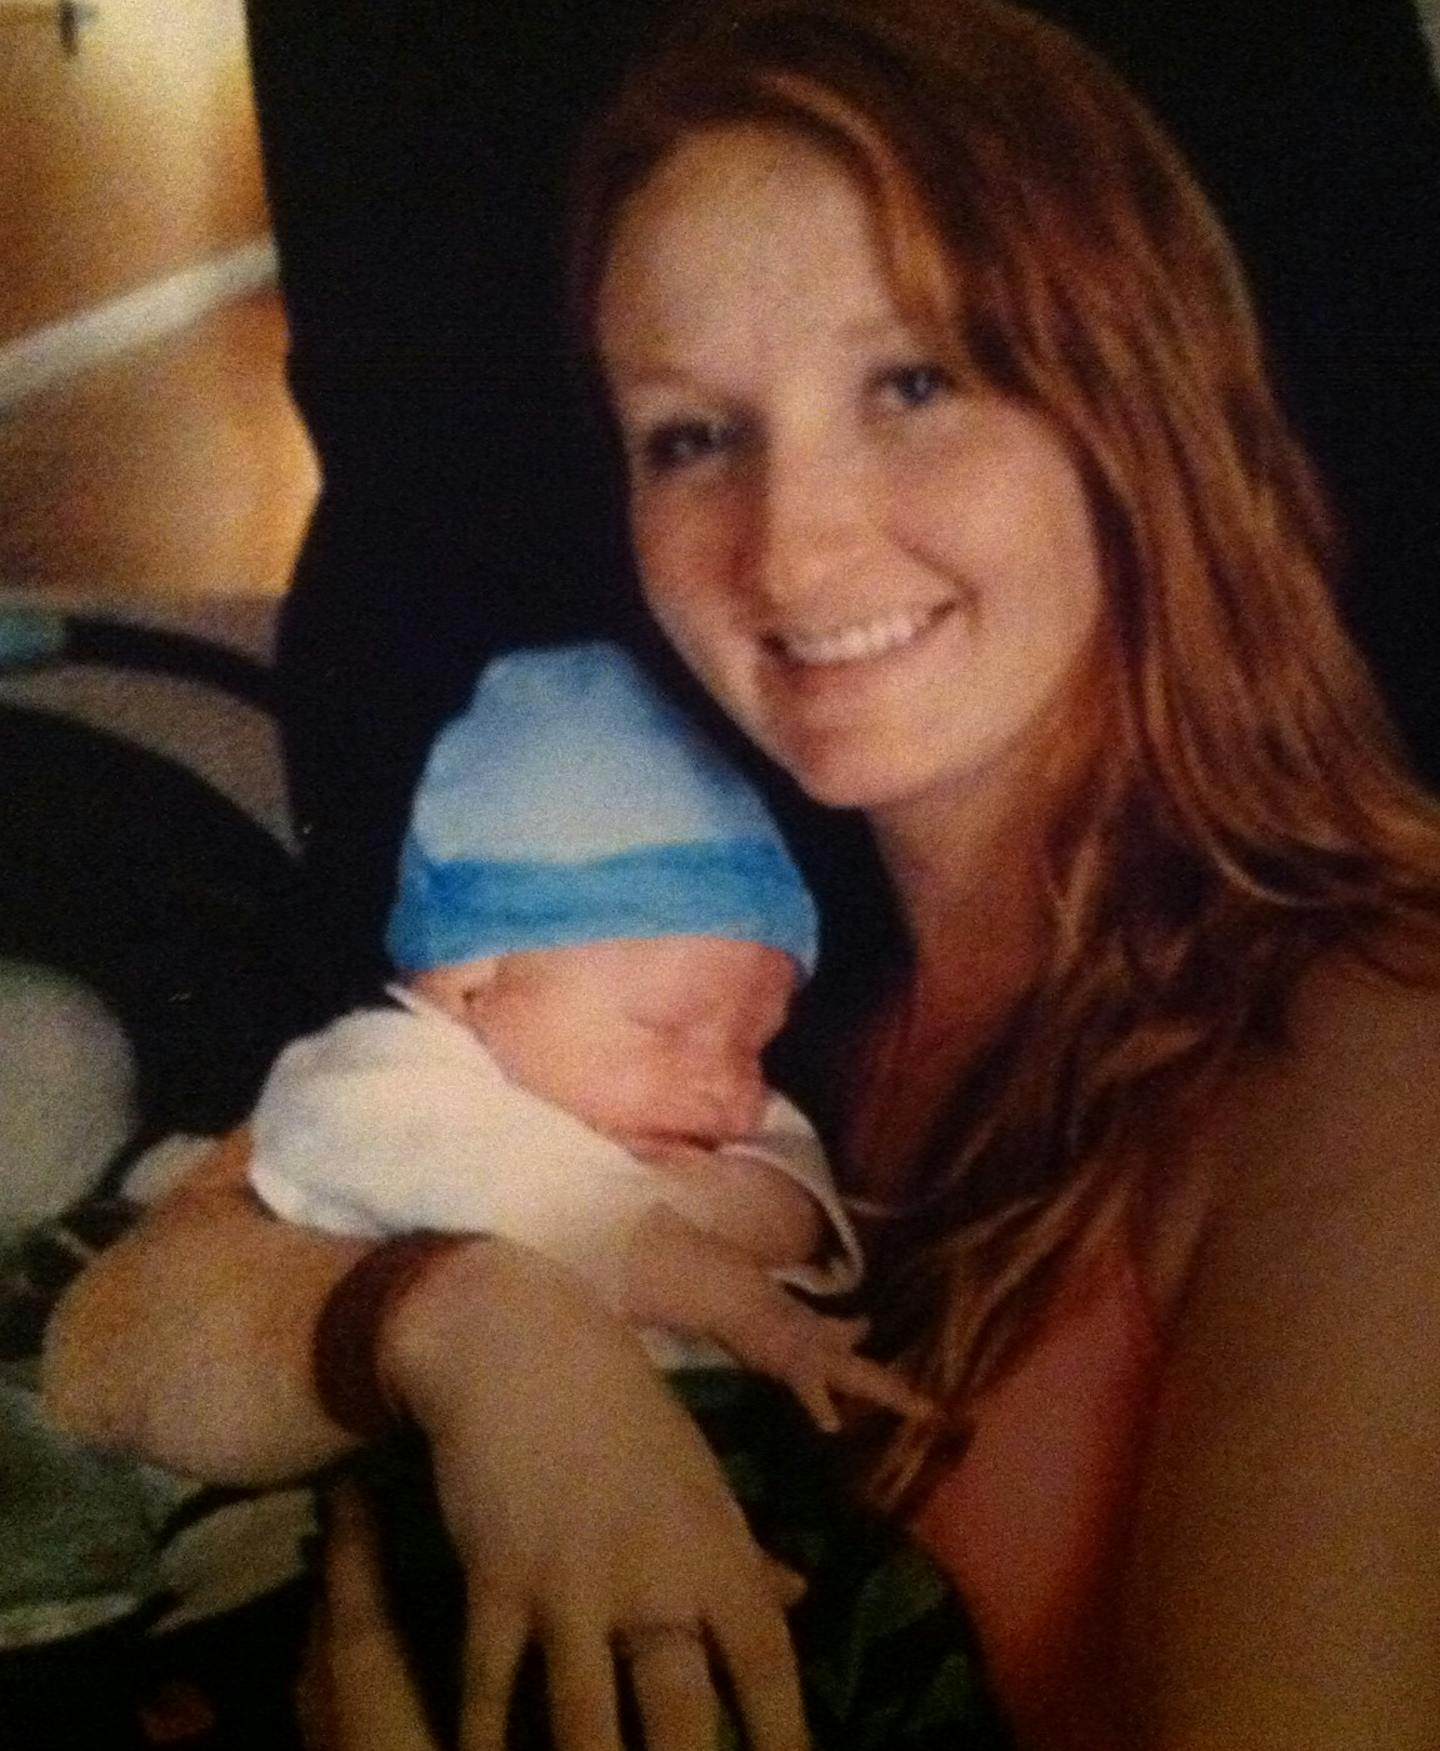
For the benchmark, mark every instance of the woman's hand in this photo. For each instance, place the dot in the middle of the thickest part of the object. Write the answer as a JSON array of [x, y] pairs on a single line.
[[588, 1514]]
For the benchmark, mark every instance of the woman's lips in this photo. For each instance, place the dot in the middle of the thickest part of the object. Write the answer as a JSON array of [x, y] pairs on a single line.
[[854, 642]]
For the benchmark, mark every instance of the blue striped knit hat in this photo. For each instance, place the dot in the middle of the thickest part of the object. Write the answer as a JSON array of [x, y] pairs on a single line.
[[573, 802]]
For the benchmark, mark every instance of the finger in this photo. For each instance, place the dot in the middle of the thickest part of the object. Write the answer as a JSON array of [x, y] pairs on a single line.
[[670, 1674], [497, 1630], [859, 1377], [354, 1594], [787, 1586], [313, 1689], [843, 1334], [817, 1402], [580, 1683], [803, 1330], [756, 1649], [373, 1703]]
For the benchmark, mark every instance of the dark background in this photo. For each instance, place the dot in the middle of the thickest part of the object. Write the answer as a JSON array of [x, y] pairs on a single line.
[[414, 156]]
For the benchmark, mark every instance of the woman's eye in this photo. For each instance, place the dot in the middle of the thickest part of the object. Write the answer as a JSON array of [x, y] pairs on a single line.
[[678, 443], [915, 385]]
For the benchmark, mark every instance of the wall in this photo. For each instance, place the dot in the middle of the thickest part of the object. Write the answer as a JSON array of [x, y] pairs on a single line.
[[135, 158]]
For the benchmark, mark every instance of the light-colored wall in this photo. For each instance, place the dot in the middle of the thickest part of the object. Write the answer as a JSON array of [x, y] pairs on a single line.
[[135, 158]]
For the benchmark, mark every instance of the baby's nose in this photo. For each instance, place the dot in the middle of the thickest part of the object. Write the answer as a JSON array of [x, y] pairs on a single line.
[[734, 1099]]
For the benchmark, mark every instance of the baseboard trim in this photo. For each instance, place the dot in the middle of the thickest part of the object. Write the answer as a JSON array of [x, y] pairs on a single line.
[[47, 355]]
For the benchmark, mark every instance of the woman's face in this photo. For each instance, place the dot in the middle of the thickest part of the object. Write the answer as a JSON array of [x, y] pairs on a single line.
[[885, 579]]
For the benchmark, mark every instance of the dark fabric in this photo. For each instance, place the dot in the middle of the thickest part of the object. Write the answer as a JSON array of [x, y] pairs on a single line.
[[39, 1265], [126, 870], [888, 1661], [223, 1685], [414, 153], [414, 157]]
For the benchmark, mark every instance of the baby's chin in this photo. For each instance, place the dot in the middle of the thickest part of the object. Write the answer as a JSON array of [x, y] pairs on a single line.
[[643, 1147], [664, 1149]]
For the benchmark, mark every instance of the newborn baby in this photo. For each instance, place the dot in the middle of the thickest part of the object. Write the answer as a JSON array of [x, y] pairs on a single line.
[[600, 930]]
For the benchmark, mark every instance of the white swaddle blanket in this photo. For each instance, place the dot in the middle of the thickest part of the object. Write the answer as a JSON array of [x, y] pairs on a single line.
[[391, 1120]]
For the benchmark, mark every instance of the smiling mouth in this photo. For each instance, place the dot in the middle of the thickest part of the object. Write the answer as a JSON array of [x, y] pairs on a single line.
[[859, 642]]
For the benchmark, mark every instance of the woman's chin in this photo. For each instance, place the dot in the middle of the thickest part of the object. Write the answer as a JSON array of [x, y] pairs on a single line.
[[851, 779], [893, 790]]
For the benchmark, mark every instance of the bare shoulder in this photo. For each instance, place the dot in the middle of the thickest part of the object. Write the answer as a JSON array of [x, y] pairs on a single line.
[[1307, 1198], [1340, 1117], [1313, 1256], [1293, 1466], [1355, 998], [1352, 1097]]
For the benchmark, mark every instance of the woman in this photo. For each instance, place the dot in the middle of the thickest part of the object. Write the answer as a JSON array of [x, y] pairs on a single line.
[[956, 481]]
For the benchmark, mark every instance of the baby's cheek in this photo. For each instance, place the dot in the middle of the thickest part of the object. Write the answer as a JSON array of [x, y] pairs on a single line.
[[652, 1095], [623, 1099]]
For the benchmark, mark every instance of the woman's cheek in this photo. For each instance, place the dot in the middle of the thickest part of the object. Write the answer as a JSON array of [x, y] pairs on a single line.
[[682, 608], [687, 538], [657, 562]]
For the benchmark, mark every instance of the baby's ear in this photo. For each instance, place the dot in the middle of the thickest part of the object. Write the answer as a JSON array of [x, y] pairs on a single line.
[[458, 987], [479, 972]]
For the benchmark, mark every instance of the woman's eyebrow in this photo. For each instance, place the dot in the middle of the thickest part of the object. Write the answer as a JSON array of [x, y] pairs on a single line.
[[657, 373], [881, 328], [865, 330]]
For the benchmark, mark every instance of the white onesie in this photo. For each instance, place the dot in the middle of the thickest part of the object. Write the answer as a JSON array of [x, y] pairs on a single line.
[[391, 1120]]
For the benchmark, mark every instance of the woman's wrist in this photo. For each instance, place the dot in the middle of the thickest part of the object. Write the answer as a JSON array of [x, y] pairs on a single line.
[[433, 1335], [472, 1319], [350, 1345]]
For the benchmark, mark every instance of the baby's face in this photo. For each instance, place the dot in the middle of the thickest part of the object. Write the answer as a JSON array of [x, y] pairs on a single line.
[[648, 1041]]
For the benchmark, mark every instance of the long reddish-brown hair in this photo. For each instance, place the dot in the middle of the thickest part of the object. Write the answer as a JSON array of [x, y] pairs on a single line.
[[1248, 808]]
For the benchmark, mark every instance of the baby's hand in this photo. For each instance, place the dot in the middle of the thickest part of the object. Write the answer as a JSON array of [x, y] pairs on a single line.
[[702, 1286], [814, 1355]]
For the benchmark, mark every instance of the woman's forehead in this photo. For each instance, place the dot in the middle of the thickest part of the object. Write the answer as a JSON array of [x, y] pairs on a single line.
[[741, 182], [749, 222], [789, 216]]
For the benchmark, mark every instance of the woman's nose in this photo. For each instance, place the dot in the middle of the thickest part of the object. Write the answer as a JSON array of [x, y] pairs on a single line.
[[808, 531]]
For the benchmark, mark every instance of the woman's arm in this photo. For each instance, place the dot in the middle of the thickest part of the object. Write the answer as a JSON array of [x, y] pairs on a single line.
[[585, 1508], [1286, 1589], [187, 1341]]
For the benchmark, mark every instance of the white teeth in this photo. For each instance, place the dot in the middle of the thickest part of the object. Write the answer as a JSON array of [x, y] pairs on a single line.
[[853, 644]]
